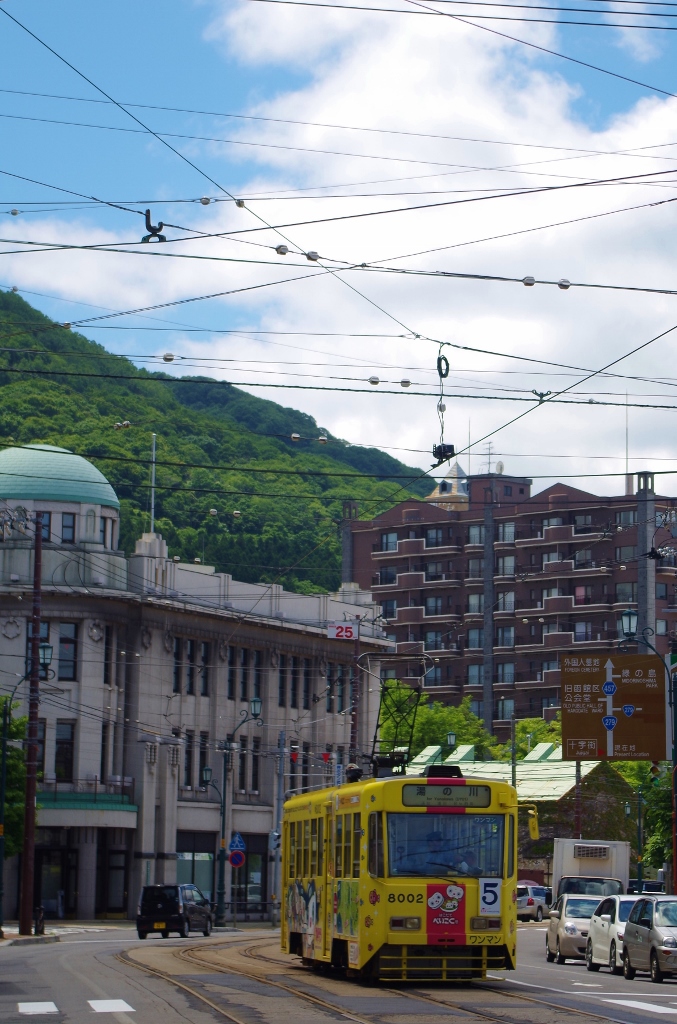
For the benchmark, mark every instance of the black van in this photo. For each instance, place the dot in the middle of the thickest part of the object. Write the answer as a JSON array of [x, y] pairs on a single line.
[[173, 908]]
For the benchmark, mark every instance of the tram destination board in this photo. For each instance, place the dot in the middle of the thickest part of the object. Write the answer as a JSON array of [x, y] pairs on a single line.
[[445, 796], [613, 708]]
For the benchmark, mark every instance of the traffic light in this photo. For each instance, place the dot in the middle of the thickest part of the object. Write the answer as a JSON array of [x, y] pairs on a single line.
[[534, 832], [655, 773], [273, 841]]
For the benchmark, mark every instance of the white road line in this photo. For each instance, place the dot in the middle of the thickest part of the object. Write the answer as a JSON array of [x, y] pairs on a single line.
[[635, 1004], [32, 1008], [110, 1006], [586, 984]]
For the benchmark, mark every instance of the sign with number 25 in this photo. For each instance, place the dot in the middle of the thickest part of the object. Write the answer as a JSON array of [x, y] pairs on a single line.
[[341, 631]]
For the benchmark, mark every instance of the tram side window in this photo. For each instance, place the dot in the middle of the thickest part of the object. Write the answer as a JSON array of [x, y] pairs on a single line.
[[376, 867], [292, 849], [338, 858], [313, 847], [306, 848], [357, 836], [511, 845], [347, 835]]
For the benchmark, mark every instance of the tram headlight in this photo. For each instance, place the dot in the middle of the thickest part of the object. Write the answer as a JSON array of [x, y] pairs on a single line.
[[405, 924]]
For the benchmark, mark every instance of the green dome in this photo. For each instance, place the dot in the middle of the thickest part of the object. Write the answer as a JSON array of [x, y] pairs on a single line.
[[41, 472]]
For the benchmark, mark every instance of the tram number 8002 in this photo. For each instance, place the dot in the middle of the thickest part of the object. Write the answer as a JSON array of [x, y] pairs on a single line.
[[401, 897]]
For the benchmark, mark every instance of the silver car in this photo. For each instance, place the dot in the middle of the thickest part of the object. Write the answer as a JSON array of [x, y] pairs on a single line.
[[605, 936], [650, 939], [531, 902], [567, 935]]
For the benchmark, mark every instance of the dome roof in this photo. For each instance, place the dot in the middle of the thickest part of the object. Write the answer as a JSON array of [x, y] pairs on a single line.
[[41, 472]]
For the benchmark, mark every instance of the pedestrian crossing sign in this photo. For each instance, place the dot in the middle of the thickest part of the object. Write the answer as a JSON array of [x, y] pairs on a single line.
[[237, 843]]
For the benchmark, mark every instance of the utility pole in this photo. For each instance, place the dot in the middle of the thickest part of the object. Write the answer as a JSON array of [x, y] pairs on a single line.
[[28, 855], [3, 785], [577, 810], [279, 801], [152, 488], [355, 698], [513, 751]]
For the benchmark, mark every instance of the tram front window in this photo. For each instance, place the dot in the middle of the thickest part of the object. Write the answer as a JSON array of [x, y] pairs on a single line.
[[441, 844]]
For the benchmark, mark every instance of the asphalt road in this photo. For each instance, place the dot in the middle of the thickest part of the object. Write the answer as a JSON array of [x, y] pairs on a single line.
[[79, 978]]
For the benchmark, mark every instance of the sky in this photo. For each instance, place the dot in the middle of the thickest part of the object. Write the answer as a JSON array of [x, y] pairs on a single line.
[[409, 141]]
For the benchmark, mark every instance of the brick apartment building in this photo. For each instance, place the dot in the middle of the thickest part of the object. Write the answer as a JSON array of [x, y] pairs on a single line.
[[494, 584]]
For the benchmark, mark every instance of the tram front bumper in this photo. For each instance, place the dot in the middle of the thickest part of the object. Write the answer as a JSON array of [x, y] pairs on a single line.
[[440, 963]]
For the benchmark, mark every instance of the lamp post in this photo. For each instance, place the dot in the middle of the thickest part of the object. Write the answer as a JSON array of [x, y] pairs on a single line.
[[640, 848], [45, 658], [252, 715], [629, 620], [451, 742]]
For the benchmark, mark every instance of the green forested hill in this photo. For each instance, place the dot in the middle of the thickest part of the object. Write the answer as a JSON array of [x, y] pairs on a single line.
[[53, 390]]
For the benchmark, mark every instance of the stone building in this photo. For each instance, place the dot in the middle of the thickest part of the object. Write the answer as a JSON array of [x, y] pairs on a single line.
[[154, 665]]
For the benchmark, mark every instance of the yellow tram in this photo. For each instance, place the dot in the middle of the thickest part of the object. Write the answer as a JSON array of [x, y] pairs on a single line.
[[402, 878]]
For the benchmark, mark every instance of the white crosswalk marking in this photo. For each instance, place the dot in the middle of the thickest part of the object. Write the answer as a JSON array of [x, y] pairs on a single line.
[[110, 1006], [33, 1008], [635, 1004]]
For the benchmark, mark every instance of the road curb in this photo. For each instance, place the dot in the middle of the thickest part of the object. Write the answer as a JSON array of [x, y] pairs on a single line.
[[33, 940]]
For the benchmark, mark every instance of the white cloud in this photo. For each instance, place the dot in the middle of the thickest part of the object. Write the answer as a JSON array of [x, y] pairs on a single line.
[[437, 77]]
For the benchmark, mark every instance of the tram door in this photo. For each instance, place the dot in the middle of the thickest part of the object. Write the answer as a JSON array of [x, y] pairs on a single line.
[[327, 881]]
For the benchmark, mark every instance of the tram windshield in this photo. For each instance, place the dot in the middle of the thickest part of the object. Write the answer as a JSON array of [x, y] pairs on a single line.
[[437, 845]]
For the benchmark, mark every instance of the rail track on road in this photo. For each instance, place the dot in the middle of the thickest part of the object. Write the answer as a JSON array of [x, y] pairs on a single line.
[[251, 961]]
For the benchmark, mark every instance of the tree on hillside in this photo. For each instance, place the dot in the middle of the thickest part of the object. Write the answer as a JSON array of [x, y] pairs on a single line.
[[16, 784], [434, 720], [657, 807]]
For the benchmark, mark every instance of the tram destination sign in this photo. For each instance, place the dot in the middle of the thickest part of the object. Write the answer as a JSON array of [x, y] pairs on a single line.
[[613, 708], [445, 796]]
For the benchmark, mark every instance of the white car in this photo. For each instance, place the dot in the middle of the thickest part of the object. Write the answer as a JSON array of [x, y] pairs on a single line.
[[605, 935]]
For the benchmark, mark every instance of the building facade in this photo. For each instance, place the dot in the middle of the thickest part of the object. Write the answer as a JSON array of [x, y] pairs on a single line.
[[154, 666], [494, 584]]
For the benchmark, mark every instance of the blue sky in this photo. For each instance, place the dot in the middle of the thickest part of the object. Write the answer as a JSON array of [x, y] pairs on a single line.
[[310, 66]]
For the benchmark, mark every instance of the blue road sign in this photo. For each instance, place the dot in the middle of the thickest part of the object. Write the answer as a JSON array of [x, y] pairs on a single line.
[[236, 859], [628, 709], [609, 689], [237, 843], [609, 722]]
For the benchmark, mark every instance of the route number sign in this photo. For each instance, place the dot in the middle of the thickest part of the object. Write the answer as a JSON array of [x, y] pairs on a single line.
[[342, 631], [613, 708]]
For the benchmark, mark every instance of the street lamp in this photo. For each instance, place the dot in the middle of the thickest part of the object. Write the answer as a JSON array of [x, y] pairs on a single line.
[[629, 624], [251, 715], [451, 741]]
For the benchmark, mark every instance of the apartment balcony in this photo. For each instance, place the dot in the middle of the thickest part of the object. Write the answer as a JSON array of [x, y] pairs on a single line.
[[87, 803]]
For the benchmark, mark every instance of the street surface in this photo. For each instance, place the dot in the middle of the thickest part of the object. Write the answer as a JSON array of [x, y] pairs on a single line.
[[243, 978]]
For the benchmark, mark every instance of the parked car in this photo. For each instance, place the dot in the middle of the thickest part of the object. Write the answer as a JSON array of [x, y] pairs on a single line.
[[531, 902], [567, 933], [650, 939], [605, 935], [173, 908]]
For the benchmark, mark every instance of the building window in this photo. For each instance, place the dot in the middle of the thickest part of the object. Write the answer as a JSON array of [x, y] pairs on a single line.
[[477, 708], [507, 490], [340, 688], [505, 566], [258, 673], [551, 556], [475, 675], [305, 768], [47, 526], [330, 687], [307, 683], [583, 558], [190, 666], [475, 534], [628, 517], [433, 537], [626, 592], [582, 523], [505, 601], [244, 674], [505, 672], [583, 595], [389, 609], [661, 591], [188, 760], [433, 676], [505, 636], [388, 574], [41, 746], [661, 627], [282, 682], [65, 751], [389, 542], [553, 521], [242, 765], [68, 528], [294, 682], [433, 640], [628, 553], [505, 708], [68, 650], [433, 571], [102, 530], [108, 656], [549, 702], [475, 638], [44, 637], [475, 604], [506, 533], [550, 592], [582, 632], [256, 764], [231, 673], [203, 760], [205, 653], [178, 649], [433, 605]]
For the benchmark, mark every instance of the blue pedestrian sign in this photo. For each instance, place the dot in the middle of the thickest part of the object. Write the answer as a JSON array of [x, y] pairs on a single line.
[[237, 843], [609, 688], [609, 722]]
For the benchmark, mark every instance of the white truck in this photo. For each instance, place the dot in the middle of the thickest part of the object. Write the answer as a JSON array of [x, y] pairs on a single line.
[[591, 867]]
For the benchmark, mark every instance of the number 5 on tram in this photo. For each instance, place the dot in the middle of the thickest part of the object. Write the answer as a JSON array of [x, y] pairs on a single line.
[[405, 878]]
